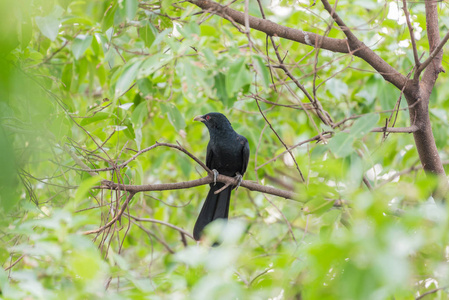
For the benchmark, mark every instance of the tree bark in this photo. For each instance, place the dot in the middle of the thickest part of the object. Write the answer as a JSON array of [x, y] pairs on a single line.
[[418, 96]]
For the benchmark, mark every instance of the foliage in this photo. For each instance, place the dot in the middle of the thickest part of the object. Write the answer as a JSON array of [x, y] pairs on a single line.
[[95, 81]]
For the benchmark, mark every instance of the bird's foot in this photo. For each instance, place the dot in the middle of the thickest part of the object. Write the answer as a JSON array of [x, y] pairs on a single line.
[[239, 179], [215, 176]]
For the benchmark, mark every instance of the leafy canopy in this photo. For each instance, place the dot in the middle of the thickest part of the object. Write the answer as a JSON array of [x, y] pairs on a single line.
[[85, 84]]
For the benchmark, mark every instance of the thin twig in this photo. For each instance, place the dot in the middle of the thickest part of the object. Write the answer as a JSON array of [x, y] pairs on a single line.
[[430, 292], [410, 129], [284, 217], [332, 11], [116, 217], [124, 164], [162, 223], [412, 35], [280, 139], [432, 55], [315, 138], [15, 263], [150, 233]]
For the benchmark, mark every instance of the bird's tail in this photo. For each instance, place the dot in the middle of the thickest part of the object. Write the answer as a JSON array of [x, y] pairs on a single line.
[[216, 206]]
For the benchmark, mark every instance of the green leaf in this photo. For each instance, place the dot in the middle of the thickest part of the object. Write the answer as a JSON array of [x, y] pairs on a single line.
[[356, 170], [8, 176], [262, 71], [138, 138], [77, 21], [174, 116], [237, 77], [220, 87], [66, 77], [368, 4], [26, 30], [363, 125], [148, 34], [341, 144], [85, 265], [208, 30], [161, 36], [99, 116], [317, 206], [185, 165], [145, 86], [81, 68], [126, 106], [440, 114], [60, 127], [388, 95], [129, 131], [127, 77], [368, 90], [209, 55], [108, 19], [80, 45], [4, 280], [151, 64], [336, 87], [85, 187], [139, 114], [49, 26], [96, 44], [166, 4], [130, 7]]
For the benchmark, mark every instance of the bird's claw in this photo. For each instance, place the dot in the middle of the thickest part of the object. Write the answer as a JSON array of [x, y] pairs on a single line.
[[215, 176], [239, 179]]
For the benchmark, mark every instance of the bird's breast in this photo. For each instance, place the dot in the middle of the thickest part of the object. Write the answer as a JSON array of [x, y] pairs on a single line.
[[227, 156]]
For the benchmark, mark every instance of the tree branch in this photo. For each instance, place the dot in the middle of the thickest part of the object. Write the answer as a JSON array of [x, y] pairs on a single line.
[[412, 35], [271, 28], [410, 129], [106, 185], [433, 35], [353, 46], [133, 189]]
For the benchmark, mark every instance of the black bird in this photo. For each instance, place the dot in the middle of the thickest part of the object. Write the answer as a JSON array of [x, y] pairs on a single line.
[[227, 154]]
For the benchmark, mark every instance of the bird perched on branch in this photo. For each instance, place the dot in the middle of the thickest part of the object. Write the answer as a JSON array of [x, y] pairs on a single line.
[[227, 154]]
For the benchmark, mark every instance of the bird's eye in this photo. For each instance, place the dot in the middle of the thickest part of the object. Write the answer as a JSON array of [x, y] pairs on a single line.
[[207, 118]]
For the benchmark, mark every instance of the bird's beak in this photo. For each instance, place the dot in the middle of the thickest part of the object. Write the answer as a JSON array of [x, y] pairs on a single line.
[[199, 118]]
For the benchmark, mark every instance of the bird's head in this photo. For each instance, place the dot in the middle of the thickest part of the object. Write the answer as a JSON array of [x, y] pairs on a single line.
[[214, 121]]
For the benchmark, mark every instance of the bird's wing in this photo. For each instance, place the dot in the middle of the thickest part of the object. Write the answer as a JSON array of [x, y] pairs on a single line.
[[245, 156], [209, 155]]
